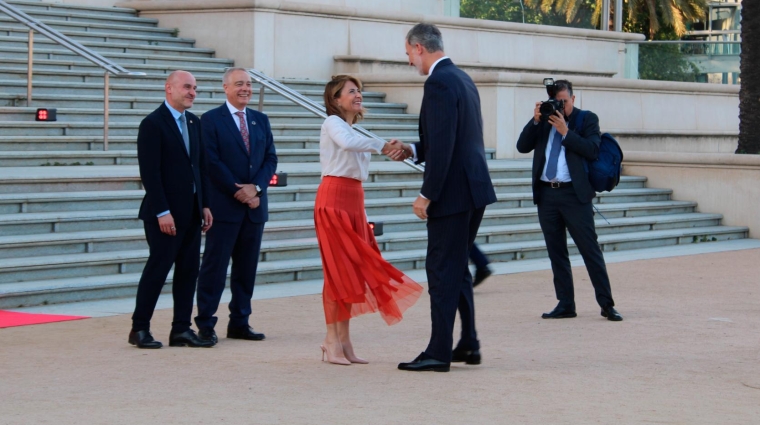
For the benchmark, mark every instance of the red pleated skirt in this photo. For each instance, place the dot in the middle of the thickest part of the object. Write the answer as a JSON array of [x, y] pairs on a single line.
[[357, 278]]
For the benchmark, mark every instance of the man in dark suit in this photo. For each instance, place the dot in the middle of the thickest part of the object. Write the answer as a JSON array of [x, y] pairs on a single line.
[[241, 161], [455, 190], [174, 211], [563, 194]]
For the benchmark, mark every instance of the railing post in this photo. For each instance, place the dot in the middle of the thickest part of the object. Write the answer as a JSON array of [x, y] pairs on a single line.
[[261, 98], [29, 64], [105, 111]]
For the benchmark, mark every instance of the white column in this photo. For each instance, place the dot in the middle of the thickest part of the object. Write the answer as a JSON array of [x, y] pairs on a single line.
[[619, 15], [605, 18]]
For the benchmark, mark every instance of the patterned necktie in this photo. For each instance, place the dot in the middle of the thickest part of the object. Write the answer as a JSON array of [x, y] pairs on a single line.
[[244, 131], [551, 166], [185, 135]]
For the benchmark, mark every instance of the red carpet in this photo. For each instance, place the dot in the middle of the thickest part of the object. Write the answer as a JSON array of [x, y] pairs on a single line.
[[11, 318]]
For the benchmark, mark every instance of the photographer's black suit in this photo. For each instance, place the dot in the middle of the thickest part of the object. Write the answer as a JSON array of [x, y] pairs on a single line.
[[457, 183], [568, 207]]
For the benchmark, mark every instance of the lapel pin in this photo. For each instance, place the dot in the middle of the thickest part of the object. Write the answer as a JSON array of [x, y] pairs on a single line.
[[253, 122], [191, 121]]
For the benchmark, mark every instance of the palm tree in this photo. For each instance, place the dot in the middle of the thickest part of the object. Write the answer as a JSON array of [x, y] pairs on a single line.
[[749, 93], [673, 13]]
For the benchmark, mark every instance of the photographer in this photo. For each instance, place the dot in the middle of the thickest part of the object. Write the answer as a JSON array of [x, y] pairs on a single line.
[[563, 194]]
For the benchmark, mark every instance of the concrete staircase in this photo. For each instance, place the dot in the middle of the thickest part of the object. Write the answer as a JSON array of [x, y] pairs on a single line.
[[68, 210]]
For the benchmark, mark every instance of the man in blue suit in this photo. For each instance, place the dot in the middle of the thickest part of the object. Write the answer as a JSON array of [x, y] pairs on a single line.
[[241, 161], [455, 190]]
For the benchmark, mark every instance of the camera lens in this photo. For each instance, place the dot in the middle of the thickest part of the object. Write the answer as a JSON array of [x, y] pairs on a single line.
[[546, 108]]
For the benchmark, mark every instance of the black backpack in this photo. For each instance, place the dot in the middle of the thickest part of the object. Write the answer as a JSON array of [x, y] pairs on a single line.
[[604, 172]]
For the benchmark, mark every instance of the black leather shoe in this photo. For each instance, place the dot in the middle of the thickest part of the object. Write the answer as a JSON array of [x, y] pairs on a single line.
[[187, 338], [560, 313], [611, 314], [481, 274], [423, 363], [467, 356], [208, 335], [143, 339], [244, 333]]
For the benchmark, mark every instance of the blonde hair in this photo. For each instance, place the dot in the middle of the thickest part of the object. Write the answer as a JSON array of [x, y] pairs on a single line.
[[332, 93]]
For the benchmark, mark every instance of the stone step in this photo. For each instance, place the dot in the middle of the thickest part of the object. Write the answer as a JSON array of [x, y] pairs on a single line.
[[129, 143], [124, 59], [151, 103], [31, 223], [106, 13], [80, 178], [60, 128], [129, 157], [85, 37], [13, 203], [19, 246], [135, 88], [105, 47], [87, 115], [102, 27], [197, 69], [32, 6], [63, 278]]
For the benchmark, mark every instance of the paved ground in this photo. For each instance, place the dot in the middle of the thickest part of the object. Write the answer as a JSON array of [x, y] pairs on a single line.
[[688, 352]]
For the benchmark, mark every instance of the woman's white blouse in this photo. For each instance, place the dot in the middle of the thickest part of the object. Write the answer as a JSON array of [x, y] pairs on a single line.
[[344, 152]]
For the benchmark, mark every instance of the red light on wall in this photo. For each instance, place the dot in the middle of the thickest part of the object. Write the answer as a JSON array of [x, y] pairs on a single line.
[[279, 179], [377, 227], [45, 114]]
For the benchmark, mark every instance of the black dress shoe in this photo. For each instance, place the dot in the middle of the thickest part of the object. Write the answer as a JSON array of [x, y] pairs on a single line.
[[423, 363], [244, 333], [208, 335], [187, 338], [467, 356], [481, 274], [611, 314], [143, 339], [560, 313]]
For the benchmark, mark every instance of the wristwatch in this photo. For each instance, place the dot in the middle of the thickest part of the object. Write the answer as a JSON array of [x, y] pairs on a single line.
[[258, 189]]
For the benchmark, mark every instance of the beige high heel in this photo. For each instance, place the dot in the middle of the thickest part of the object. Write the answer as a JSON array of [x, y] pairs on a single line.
[[333, 360], [350, 356]]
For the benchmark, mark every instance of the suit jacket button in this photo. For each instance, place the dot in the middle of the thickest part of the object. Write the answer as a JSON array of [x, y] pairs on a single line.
[[250, 166]]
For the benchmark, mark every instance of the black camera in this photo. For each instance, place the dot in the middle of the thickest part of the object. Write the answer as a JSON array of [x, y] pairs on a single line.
[[552, 105]]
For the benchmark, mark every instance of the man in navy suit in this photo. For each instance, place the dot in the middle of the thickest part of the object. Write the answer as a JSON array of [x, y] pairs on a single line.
[[455, 190], [174, 211], [563, 194], [241, 161]]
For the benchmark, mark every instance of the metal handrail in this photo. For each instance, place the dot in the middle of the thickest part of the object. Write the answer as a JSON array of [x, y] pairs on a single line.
[[108, 65], [309, 105]]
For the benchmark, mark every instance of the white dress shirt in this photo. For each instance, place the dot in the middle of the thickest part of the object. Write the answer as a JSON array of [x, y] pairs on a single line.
[[176, 114], [563, 174], [344, 152], [233, 111]]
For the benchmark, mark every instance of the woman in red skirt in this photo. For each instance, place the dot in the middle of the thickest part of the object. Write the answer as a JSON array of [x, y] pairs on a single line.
[[357, 278]]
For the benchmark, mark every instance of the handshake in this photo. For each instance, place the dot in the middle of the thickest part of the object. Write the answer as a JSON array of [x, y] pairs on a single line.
[[397, 150]]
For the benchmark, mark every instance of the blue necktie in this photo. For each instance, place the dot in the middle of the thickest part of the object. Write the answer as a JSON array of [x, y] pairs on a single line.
[[551, 167]]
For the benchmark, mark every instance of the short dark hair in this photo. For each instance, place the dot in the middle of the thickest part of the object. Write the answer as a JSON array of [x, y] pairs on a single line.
[[563, 85], [332, 93], [427, 35]]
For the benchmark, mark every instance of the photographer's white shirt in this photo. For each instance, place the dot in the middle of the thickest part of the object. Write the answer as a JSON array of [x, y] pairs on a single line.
[[563, 174]]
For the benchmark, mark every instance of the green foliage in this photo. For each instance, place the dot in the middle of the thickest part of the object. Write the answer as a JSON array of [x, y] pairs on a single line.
[[665, 62], [512, 11]]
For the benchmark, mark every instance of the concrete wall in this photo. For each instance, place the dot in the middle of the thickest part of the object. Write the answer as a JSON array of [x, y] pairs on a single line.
[[289, 39], [645, 115], [725, 184], [425, 7]]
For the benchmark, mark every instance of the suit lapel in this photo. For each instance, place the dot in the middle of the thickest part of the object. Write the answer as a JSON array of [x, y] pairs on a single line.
[[172, 123], [232, 123]]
